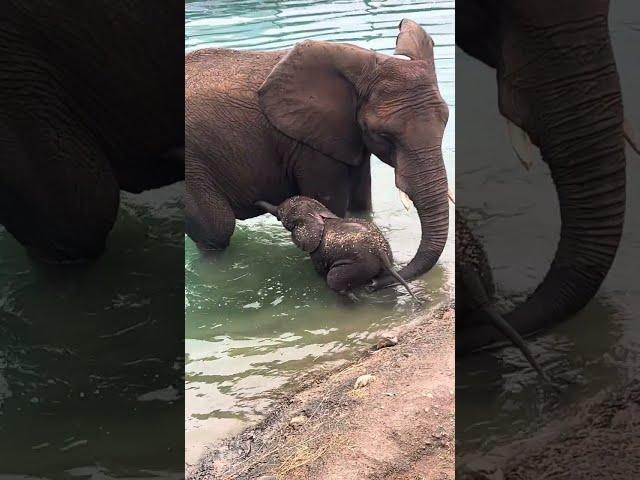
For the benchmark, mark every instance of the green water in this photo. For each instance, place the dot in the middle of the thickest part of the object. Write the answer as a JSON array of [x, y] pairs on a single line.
[[257, 315], [91, 356]]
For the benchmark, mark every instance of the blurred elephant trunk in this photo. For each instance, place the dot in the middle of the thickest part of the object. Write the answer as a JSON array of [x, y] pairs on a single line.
[[424, 180], [267, 207], [582, 142], [591, 193]]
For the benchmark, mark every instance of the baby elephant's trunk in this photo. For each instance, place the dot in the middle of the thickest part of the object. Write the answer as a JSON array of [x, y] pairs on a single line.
[[508, 331], [397, 276], [272, 209]]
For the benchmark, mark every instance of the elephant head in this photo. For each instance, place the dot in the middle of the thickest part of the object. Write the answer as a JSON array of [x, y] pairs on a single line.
[[558, 86], [347, 102], [304, 217]]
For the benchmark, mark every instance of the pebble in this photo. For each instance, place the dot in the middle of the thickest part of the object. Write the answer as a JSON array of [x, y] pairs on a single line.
[[298, 420], [386, 342], [363, 381]]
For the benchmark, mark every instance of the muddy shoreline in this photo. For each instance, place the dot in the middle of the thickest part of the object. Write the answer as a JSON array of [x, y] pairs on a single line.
[[398, 422], [601, 435]]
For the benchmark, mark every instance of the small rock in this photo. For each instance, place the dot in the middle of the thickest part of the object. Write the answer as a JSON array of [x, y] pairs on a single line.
[[363, 381], [386, 342], [298, 420], [268, 477]]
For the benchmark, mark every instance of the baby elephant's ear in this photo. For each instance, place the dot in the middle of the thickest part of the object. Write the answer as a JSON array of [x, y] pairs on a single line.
[[308, 233]]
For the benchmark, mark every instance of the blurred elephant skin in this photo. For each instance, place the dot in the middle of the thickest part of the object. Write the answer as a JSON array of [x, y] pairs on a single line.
[[90, 104], [271, 125], [348, 252], [475, 291], [558, 87]]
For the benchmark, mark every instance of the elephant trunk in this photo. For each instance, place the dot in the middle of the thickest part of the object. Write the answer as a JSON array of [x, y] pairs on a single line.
[[425, 182], [587, 166], [591, 194], [267, 207]]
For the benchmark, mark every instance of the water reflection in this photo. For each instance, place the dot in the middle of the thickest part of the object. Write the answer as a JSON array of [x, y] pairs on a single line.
[[123, 321]]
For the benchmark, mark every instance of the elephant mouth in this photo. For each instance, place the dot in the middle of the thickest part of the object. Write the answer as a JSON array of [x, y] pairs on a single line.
[[405, 199]]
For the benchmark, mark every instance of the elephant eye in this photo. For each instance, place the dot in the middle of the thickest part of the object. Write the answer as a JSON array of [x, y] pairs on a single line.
[[386, 136]]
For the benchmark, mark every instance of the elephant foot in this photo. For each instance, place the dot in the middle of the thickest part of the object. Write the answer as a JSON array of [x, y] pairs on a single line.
[[206, 247], [376, 284], [351, 296]]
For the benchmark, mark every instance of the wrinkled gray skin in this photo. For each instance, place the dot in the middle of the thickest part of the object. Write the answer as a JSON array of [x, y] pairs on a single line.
[[90, 104], [557, 80], [475, 291], [348, 252], [271, 125]]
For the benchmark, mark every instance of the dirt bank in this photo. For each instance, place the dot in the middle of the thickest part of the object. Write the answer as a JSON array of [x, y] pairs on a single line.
[[601, 439], [398, 425]]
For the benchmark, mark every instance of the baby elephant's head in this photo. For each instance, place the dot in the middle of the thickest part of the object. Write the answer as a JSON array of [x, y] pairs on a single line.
[[304, 217]]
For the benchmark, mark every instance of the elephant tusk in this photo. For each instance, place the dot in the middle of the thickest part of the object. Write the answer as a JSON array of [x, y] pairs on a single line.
[[630, 135], [406, 201], [521, 144], [451, 197]]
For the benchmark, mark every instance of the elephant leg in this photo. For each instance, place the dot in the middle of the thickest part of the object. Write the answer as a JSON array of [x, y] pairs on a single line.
[[360, 188], [58, 195], [347, 275], [209, 219], [324, 179]]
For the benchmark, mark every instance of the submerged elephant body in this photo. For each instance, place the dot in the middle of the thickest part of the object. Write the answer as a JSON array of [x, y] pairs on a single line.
[[348, 252], [271, 125], [90, 104]]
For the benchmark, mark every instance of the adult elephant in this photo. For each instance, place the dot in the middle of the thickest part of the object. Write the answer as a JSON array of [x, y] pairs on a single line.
[[270, 125], [91, 103], [558, 87]]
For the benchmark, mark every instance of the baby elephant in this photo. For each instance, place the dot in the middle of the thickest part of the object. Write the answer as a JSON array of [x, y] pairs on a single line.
[[348, 252], [475, 292]]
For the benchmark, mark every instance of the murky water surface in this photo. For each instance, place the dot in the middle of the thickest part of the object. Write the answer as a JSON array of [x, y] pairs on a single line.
[[257, 315], [499, 397], [80, 345]]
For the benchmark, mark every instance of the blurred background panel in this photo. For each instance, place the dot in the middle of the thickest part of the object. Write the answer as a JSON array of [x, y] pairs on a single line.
[[568, 102], [91, 239]]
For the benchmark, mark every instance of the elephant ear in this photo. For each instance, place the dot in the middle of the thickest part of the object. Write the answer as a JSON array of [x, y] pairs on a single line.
[[310, 96], [414, 42], [308, 232]]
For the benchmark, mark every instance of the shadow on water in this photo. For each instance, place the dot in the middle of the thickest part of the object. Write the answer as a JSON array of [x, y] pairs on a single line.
[[124, 323], [257, 314]]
